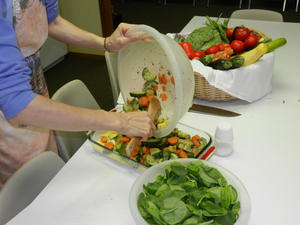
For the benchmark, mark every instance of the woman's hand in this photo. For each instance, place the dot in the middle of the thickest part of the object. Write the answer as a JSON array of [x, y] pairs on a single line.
[[119, 38], [138, 124]]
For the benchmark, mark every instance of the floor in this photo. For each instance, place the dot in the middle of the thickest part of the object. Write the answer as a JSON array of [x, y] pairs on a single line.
[[171, 17]]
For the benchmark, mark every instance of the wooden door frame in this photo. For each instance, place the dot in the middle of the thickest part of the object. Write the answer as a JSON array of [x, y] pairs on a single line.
[[106, 13]]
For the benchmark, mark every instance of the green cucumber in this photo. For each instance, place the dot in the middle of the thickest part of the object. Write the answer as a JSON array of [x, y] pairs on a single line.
[[137, 94], [152, 142], [127, 108], [237, 61], [221, 64], [149, 85], [147, 75]]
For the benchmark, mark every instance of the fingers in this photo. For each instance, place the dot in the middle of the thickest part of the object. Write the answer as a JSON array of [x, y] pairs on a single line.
[[137, 124]]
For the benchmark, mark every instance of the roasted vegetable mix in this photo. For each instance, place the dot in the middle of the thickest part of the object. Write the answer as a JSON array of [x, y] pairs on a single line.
[[177, 144], [154, 85], [223, 48], [189, 195]]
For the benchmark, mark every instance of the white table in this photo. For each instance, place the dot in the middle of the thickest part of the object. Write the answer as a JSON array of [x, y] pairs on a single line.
[[92, 190]]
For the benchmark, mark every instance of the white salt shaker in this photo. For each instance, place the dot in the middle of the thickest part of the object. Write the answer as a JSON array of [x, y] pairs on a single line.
[[224, 139]]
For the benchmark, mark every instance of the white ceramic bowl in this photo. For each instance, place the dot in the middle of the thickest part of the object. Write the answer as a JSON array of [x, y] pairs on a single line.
[[150, 175], [163, 55]]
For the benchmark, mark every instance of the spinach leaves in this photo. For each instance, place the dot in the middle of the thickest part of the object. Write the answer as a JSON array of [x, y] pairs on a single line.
[[195, 194], [213, 33]]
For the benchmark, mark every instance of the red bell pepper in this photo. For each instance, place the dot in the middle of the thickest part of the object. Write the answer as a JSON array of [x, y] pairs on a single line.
[[188, 48]]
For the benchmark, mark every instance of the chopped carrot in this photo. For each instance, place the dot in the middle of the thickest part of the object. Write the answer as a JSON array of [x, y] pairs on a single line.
[[164, 97], [144, 101], [195, 140], [172, 80], [133, 154], [145, 150], [182, 154], [109, 145], [155, 87], [173, 140], [142, 160], [164, 88], [197, 152], [103, 139], [128, 102], [149, 96], [124, 139], [163, 79], [178, 151]]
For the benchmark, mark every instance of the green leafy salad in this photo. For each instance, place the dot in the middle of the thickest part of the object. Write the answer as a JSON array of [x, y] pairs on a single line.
[[195, 194]]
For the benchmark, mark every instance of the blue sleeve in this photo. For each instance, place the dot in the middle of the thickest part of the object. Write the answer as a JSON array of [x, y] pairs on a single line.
[[15, 89], [52, 9]]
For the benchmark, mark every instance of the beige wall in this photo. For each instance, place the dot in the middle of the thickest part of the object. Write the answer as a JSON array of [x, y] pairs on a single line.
[[86, 15]]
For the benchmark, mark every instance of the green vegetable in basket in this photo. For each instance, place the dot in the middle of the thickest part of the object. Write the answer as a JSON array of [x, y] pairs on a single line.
[[213, 33], [237, 61], [221, 64], [206, 60], [189, 195]]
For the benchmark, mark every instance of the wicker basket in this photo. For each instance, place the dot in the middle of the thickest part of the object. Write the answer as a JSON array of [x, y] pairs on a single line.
[[204, 90]]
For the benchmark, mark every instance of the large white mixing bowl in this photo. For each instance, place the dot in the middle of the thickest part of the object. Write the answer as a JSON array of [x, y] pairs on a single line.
[[162, 55]]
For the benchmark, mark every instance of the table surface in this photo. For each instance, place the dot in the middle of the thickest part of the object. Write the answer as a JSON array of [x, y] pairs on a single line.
[[92, 189]]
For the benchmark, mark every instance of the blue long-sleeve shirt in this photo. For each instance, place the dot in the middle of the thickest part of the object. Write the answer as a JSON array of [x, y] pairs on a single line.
[[15, 89]]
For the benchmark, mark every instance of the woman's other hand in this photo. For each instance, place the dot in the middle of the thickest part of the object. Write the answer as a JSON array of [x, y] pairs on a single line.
[[120, 38]]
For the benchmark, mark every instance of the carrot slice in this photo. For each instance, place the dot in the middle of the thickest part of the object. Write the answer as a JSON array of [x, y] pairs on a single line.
[[103, 139], [164, 97], [124, 139], [109, 145], [155, 87], [143, 101], [149, 96], [182, 154], [173, 140], [197, 152], [145, 150], [172, 80], [164, 79], [195, 140]]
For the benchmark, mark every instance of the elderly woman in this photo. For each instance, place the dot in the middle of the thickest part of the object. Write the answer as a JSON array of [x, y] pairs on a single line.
[[26, 113]]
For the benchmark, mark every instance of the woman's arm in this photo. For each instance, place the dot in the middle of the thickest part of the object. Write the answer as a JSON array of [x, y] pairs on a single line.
[[44, 112], [64, 31]]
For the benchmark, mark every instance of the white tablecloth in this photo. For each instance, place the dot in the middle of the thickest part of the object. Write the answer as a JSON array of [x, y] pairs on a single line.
[[92, 190]]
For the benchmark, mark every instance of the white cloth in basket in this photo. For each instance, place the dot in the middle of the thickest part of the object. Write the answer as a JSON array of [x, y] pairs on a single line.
[[248, 83]]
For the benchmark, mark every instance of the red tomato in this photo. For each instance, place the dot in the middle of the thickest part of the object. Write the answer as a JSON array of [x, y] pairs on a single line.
[[238, 46], [212, 50], [222, 46], [229, 32], [187, 47], [241, 33], [199, 54], [251, 41]]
